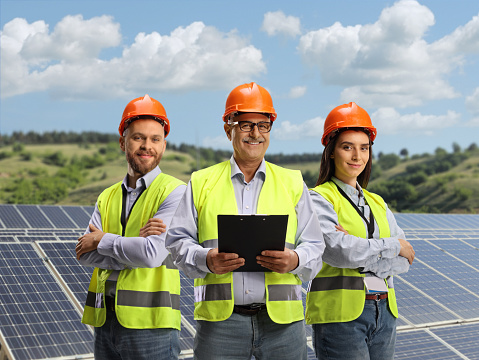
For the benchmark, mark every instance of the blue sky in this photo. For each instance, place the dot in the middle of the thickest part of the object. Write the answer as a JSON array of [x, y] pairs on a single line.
[[413, 65]]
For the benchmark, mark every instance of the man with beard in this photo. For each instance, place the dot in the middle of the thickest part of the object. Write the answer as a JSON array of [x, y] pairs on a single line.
[[242, 314], [133, 297]]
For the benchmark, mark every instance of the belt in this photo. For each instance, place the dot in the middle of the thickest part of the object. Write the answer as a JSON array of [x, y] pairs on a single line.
[[376, 297], [110, 303], [249, 310]]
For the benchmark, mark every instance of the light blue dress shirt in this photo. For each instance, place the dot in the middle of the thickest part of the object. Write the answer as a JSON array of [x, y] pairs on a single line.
[[249, 287], [377, 256], [116, 252]]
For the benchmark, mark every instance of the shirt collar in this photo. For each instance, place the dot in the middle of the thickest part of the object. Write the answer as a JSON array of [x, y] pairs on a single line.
[[348, 189], [145, 180], [235, 170]]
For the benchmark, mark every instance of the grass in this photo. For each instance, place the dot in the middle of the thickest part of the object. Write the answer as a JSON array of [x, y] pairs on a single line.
[[456, 190]]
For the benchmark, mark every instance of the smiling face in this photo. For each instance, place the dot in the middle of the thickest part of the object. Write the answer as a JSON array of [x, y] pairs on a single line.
[[351, 154], [144, 144], [249, 147]]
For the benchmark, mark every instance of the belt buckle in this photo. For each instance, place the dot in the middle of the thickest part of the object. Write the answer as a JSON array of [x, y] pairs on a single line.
[[255, 307], [376, 297], [249, 310]]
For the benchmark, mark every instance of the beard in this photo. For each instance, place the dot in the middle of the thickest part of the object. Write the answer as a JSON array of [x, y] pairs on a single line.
[[140, 166]]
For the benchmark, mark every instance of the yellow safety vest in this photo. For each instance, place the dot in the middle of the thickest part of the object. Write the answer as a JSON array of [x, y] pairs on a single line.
[[213, 194], [146, 298], [338, 295]]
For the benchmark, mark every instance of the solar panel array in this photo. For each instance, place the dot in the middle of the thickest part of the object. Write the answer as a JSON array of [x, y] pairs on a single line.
[[43, 287]]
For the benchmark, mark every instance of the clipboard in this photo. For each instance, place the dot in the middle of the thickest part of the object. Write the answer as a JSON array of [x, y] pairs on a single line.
[[249, 235]]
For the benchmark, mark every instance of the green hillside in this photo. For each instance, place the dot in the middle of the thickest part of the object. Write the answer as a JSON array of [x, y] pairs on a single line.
[[74, 174]]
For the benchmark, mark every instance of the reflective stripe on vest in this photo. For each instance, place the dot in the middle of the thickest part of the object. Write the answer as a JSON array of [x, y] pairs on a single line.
[[146, 298], [213, 194], [94, 300], [213, 292], [338, 295], [336, 283], [284, 292], [137, 298]]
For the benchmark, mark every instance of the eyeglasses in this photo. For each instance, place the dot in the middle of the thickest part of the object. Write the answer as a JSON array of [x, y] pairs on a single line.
[[248, 126]]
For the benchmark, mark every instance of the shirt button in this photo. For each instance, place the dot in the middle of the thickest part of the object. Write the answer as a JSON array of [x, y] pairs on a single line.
[[247, 291], [247, 189], [247, 206]]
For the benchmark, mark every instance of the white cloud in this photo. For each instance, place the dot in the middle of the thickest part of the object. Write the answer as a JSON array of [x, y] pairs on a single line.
[[389, 121], [297, 92], [312, 128], [389, 63], [191, 57], [277, 22], [474, 122]]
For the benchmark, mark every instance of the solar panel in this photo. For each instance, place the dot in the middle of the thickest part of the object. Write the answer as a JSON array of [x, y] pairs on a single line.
[[58, 217], [34, 216], [437, 221], [37, 319], [443, 291], [63, 258], [11, 218], [32, 238], [89, 210], [463, 338], [78, 215], [440, 289], [7, 238], [416, 307], [422, 345], [462, 250]]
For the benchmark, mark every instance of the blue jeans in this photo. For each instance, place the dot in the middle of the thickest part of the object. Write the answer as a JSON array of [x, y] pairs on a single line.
[[241, 336], [372, 336], [115, 342]]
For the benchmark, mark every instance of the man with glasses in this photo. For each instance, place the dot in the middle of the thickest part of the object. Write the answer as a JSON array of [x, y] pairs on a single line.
[[240, 314]]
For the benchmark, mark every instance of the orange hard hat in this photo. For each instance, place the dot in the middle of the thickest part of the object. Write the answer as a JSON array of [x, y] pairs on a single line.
[[144, 106], [249, 98], [347, 116]]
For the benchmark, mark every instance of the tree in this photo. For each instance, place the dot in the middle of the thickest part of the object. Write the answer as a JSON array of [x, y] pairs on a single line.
[[456, 148], [440, 151], [57, 159], [473, 147], [404, 153], [18, 147], [388, 161]]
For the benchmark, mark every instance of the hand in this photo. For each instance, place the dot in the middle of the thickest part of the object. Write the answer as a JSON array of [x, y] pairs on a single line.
[[406, 250], [153, 226], [340, 228], [88, 242], [279, 261], [222, 263]]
